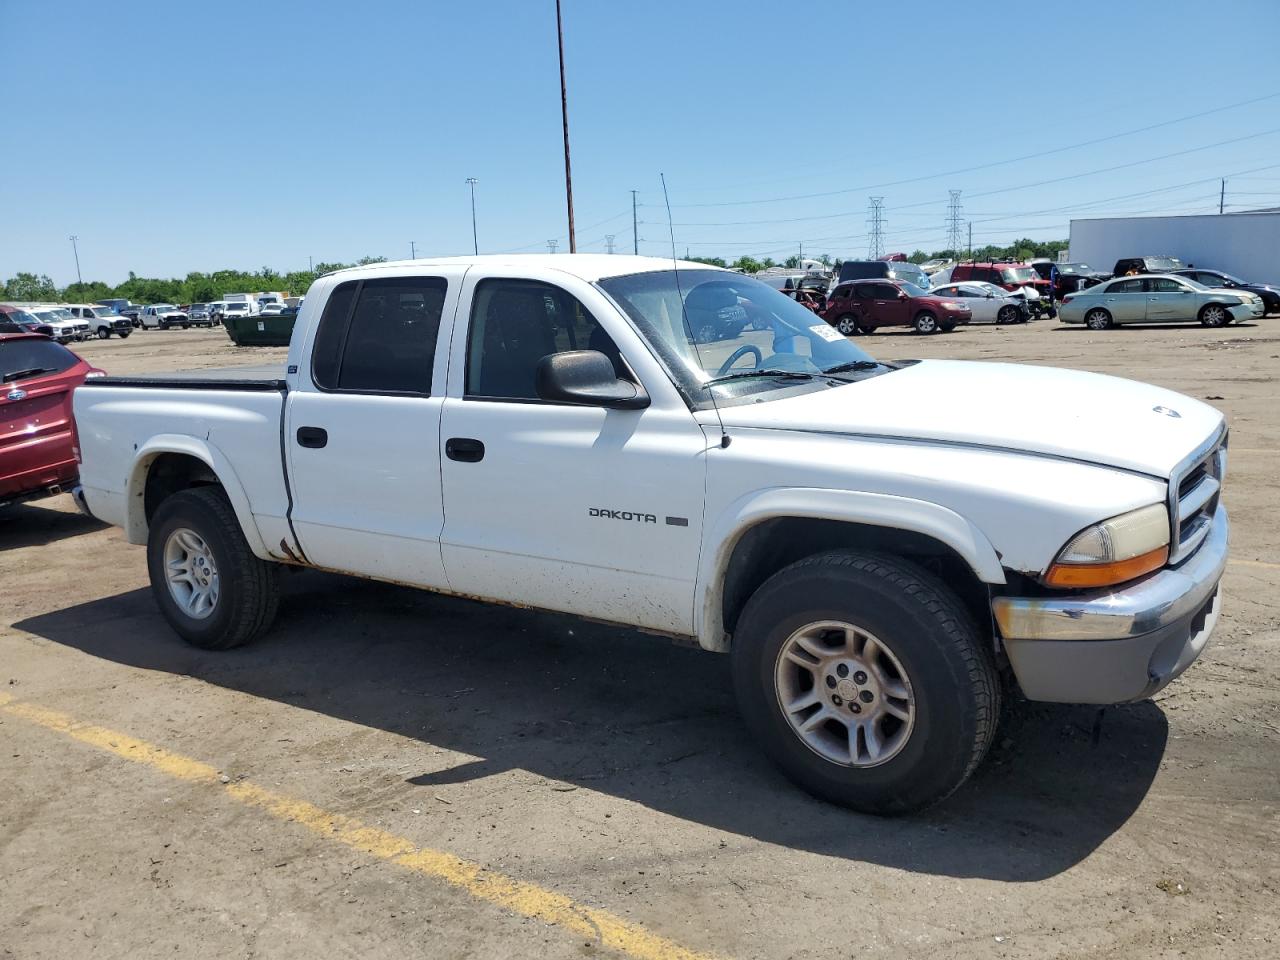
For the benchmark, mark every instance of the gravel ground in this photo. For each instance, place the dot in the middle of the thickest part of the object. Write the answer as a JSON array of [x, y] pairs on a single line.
[[609, 767]]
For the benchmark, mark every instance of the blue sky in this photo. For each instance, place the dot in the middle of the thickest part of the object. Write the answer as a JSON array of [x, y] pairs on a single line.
[[180, 136]]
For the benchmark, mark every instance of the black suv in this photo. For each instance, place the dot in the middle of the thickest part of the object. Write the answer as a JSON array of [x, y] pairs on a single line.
[[1269, 292], [1130, 266]]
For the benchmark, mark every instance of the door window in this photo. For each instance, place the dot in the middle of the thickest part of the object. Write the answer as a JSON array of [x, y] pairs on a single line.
[[514, 324], [1126, 286], [885, 291], [379, 335], [1164, 285]]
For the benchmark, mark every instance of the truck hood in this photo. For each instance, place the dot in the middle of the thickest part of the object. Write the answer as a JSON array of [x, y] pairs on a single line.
[[1020, 407]]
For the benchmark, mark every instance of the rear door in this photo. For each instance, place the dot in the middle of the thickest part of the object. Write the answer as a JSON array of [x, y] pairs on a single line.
[[362, 430], [1126, 301]]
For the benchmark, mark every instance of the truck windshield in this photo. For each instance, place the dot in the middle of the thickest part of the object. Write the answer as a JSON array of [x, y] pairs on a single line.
[[707, 324]]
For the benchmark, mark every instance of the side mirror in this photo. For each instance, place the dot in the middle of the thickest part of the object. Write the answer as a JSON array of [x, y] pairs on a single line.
[[990, 295], [902, 295], [586, 377]]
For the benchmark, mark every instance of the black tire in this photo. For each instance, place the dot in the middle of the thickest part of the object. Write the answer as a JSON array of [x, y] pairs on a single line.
[[1007, 315], [926, 322], [103, 333], [1214, 315], [847, 324], [122, 335], [952, 677], [186, 326], [866, 330], [947, 327], [249, 588], [1098, 319]]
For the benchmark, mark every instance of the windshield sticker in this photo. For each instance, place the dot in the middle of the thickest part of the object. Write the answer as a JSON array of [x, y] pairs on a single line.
[[830, 334]]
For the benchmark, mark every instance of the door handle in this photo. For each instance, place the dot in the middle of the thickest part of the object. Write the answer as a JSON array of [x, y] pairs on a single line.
[[314, 437], [464, 449]]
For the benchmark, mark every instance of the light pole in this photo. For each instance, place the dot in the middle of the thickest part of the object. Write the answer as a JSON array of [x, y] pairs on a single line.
[[564, 117], [76, 251], [475, 243]]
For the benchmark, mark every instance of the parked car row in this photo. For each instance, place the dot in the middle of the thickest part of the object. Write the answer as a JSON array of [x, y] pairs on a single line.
[[1159, 298]]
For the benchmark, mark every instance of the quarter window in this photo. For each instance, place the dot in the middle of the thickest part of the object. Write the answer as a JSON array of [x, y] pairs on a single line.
[[514, 324]]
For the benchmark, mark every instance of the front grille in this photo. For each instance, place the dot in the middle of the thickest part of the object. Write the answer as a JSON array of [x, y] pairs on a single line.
[[1194, 490]]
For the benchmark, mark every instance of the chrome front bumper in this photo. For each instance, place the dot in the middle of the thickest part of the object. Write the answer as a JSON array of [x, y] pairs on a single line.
[[1114, 646]]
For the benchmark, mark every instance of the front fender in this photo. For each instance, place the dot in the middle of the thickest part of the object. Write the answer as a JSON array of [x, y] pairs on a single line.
[[874, 509], [135, 494]]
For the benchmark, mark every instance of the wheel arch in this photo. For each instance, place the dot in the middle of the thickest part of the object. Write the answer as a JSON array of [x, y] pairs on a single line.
[[762, 533], [168, 463]]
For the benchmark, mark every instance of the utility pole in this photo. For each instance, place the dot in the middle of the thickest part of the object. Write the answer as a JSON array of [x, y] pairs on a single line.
[[475, 243], [970, 239], [311, 267], [1223, 195], [564, 117], [551, 246], [635, 235], [875, 249], [801, 263], [413, 250], [608, 241], [76, 251]]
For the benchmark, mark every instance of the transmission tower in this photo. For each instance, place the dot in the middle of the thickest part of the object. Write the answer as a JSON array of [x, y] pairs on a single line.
[[551, 246], [955, 233], [875, 249], [608, 241]]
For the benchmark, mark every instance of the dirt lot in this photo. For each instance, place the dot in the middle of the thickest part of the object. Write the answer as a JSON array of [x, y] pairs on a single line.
[[605, 771]]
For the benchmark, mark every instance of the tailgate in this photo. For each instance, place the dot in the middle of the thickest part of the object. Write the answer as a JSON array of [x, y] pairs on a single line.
[[35, 437]]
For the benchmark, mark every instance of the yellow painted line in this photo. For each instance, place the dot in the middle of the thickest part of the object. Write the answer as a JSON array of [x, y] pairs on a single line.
[[517, 896], [1255, 563]]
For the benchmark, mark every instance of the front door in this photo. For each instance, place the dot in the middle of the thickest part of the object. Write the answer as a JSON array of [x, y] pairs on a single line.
[[583, 509], [363, 428], [888, 308], [1168, 300]]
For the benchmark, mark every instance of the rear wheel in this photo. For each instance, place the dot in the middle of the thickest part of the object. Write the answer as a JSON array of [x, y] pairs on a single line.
[[1214, 315], [208, 584], [848, 325], [926, 322], [866, 681], [1098, 319]]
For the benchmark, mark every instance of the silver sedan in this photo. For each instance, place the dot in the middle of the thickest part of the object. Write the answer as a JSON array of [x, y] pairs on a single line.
[[987, 302], [1157, 298]]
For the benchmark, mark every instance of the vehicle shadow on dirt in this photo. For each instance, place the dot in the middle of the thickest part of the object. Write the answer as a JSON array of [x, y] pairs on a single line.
[[27, 525], [638, 718]]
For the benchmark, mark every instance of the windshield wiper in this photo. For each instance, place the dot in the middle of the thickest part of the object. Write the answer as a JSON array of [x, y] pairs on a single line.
[[857, 365], [777, 374], [19, 374]]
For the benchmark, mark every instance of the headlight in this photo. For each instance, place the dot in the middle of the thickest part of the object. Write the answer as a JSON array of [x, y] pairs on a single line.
[[951, 306], [1114, 551]]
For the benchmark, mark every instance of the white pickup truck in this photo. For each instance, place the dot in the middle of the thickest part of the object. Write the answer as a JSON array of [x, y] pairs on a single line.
[[881, 548]]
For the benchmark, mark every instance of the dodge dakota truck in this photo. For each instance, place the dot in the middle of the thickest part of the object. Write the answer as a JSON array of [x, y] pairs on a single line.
[[883, 549]]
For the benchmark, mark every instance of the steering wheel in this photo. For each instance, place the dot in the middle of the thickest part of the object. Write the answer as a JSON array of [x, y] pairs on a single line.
[[742, 351]]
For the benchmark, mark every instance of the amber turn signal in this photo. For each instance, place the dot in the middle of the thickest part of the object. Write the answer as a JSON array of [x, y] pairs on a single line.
[[1077, 575]]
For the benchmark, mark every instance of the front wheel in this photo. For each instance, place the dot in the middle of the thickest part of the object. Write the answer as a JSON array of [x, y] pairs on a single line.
[[865, 680], [103, 333], [1215, 315], [1007, 315], [926, 322], [186, 326], [208, 584]]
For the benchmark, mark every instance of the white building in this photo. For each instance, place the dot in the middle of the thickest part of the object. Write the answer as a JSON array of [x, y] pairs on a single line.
[[1244, 244]]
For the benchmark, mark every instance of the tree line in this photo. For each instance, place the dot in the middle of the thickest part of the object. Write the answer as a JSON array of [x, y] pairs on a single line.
[[193, 288], [205, 287]]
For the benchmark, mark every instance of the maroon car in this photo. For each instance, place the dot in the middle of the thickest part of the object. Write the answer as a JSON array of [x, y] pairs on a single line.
[[37, 434], [862, 306]]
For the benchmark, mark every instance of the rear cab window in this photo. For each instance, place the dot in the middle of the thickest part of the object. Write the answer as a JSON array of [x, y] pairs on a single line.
[[379, 336]]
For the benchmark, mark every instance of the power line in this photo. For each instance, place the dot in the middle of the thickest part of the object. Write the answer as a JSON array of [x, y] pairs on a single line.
[[996, 163]]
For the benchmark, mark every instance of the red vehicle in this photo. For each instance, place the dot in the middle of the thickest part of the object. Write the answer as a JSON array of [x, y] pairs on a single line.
[[1011, 276], [37, 434], [863, 306]]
